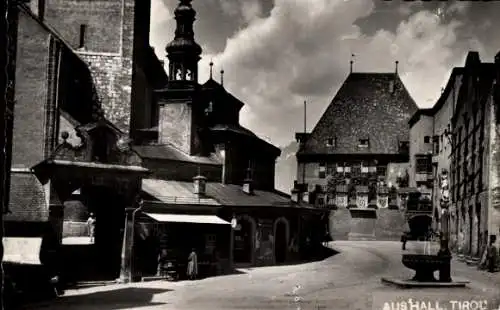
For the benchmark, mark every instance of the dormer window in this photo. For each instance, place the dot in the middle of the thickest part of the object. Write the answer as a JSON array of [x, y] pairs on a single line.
[[189, 75], [331, 142], [364, 143]]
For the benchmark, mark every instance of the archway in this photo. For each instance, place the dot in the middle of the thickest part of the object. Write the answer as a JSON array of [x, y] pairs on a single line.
[[244, 240], [281, 239]]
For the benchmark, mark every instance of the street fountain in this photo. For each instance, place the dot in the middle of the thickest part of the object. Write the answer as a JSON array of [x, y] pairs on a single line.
[[419, 212]]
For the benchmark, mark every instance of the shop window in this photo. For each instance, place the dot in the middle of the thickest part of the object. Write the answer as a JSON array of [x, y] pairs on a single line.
[[322, 170]]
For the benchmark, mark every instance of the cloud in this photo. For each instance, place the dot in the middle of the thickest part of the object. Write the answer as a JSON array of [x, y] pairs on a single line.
[[301, 49]]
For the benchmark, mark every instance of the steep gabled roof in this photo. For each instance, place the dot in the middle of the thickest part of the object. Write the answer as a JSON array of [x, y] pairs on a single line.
[[219, 91], [374, 106]]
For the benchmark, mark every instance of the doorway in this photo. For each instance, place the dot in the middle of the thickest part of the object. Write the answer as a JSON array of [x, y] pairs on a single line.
[[281, 242], [243, 241]]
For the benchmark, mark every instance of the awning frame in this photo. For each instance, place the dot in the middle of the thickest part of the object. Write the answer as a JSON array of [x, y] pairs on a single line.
[[187, 218]]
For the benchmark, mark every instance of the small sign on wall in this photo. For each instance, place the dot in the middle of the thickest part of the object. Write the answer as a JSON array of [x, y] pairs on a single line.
[[383, 202], [341, 201], [362, 201]]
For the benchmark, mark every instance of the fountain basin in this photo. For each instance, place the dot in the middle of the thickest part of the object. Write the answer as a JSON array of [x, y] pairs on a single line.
[[424, 265]]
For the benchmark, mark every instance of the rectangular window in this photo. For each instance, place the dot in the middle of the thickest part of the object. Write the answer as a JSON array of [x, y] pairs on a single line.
[[340, 169], [364, 168], [83, 29], [364, 143], [322, 171], [436, 144], [347, 169], [423, 165], [427, 139], [381, 170]]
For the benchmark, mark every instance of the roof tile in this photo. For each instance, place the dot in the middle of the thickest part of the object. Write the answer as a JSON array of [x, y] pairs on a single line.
[[364, 107]]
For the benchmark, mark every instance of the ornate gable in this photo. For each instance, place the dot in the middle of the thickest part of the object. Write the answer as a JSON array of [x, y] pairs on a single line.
[[100, 142]]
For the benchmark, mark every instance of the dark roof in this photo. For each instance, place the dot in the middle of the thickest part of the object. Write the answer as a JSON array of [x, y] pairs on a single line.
[[169, 152], [240, 130], [234, 128], [414, 119], [28, 200], [153, 68], [219, 90], [364, 107], [177, 192]]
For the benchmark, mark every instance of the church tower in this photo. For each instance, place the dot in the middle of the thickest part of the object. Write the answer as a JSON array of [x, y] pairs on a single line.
[[183, 52], [179, 104]]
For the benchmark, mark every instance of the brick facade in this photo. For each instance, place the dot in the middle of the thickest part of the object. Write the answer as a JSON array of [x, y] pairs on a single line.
[[113, 32], [32, 66]]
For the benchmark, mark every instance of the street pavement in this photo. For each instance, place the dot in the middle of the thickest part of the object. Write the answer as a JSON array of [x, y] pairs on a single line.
[[350, 279]]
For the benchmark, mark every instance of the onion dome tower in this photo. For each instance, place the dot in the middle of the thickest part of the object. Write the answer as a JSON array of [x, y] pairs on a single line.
[[183, 52]]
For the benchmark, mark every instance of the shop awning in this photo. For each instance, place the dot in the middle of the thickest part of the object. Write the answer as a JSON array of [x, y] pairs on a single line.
[[22, 250], [187, 218]]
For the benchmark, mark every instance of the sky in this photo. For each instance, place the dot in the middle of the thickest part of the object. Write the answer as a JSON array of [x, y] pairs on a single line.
[[278, 53]]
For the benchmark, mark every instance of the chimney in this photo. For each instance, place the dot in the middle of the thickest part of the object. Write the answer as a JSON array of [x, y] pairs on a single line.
[[248, 182], [296, 193], [200, 183]]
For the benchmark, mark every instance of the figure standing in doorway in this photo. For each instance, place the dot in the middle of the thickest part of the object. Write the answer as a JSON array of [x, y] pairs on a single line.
[[492, 254], [91, 226], [192, 267]]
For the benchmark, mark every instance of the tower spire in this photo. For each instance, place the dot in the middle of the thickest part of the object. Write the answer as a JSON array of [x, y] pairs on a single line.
[[351, 62], [211, 68], [183, 52]]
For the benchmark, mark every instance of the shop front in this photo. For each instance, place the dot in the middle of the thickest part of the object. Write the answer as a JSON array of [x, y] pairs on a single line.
[[165, 238]]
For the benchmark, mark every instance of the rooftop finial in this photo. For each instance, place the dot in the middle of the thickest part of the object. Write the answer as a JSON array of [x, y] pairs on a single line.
[[352, 61], [211, 68], [222, 77], [397, 63]]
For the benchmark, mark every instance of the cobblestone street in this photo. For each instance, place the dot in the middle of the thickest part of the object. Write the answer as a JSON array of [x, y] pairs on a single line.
[[348, 280]]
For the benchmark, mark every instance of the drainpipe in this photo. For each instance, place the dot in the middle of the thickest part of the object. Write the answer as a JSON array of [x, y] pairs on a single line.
[[127, 246], [141, 204]]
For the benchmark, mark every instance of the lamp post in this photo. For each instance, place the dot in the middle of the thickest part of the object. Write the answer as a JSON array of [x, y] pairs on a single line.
[[128, 243], [444, 251]]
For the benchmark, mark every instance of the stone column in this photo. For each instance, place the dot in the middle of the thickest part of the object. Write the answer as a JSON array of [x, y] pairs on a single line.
[[362, 197]]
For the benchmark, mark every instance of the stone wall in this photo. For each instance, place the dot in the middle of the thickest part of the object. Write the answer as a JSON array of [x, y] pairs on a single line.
[[175, 126], [31, 91], [388, 225], [108, 47]]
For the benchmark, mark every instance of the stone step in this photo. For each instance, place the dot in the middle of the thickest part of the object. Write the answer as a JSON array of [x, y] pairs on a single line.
[[361, 237]]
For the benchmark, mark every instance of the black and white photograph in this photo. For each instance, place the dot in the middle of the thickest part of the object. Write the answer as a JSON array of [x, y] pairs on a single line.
[[250, 154]]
